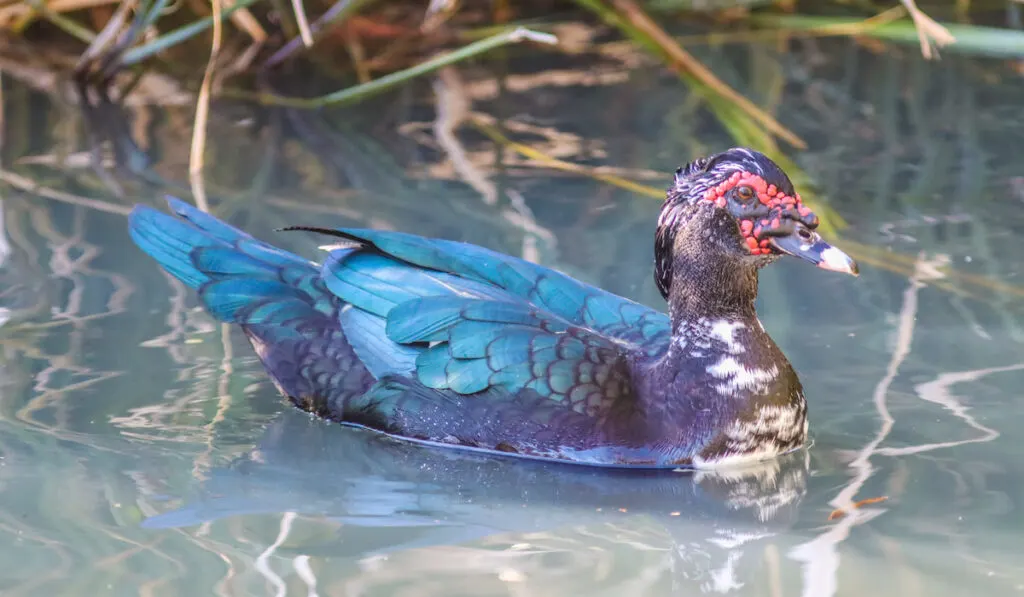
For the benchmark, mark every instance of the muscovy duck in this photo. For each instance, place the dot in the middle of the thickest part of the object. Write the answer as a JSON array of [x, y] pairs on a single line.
[[453, 344]]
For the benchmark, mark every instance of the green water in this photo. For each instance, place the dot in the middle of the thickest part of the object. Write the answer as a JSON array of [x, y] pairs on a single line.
[[143, 452]]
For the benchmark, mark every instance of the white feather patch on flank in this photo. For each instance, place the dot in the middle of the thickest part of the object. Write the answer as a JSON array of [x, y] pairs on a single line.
[[740, 377], [745, 440], [781, 422]]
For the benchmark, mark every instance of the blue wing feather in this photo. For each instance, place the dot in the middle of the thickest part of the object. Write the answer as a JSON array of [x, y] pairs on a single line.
[[570, 299], [204, 222], [376, 283], [255, 301], [480, 344], [381, 355]]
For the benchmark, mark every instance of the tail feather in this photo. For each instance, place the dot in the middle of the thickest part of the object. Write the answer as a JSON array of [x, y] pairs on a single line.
[[255, 301], [203, 221], [222, 262], [239, 279], [170, 242]]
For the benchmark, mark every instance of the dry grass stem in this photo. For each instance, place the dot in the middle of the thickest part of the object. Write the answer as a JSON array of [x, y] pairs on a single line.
[[109, 34], [244, 20], [195, 159], [928, 31], [16, 14], [303, 23], [438, 12]]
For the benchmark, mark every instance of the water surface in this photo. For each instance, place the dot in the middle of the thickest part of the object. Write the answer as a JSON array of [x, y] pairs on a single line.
[[142, 450]]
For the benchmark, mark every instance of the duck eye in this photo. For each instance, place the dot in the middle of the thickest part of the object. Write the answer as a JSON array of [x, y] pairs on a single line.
[[745, 193]]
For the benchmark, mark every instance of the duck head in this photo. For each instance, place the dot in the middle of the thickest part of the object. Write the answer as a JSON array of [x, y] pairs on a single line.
[[739, 208]]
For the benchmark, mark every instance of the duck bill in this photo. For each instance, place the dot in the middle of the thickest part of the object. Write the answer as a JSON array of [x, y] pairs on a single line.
[[817, 251]]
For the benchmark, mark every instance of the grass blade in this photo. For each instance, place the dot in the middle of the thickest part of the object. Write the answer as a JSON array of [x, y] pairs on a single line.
[[361, 92], [340, 10], [303, 22], [136, 55], [970, 39]]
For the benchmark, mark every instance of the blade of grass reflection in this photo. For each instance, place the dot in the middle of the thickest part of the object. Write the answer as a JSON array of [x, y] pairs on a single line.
[[86, 530], [261, 565], [635, 23], [820, 556], [883, 255], [203, 461], [55, 572], [996, 267], [259, 183], [377, 180], [197, 183], [550, 162], [939, 391], [453, 108], [28, 185]]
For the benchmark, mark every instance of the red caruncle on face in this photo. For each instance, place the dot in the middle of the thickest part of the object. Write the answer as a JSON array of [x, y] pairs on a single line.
[[766, 210]]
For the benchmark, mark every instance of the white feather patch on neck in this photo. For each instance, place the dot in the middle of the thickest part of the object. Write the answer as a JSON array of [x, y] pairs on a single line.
[[739, 377], [724, 331]]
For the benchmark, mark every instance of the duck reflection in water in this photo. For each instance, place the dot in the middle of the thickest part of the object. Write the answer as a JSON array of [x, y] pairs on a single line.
[[391, 496]]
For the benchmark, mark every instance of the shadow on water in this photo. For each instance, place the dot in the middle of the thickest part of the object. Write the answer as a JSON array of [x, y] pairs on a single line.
[[128, 417]]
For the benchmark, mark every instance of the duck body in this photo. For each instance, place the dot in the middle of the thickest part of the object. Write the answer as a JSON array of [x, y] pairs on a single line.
[[449, 343]]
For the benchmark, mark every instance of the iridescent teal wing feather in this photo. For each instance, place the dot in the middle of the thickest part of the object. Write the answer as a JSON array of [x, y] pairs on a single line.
[[578, 303]]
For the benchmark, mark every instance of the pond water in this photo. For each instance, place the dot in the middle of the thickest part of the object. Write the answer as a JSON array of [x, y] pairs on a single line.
[[143, 451]]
